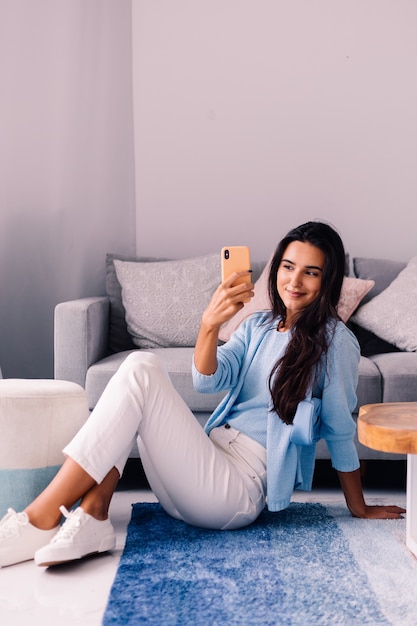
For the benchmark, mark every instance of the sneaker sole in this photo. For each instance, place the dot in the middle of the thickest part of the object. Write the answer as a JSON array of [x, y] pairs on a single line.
[[23, 556], [106, 545], [9, 562]]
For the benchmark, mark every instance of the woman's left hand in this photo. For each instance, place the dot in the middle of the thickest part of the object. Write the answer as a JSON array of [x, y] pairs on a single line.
[[381, 512], [352, 488]]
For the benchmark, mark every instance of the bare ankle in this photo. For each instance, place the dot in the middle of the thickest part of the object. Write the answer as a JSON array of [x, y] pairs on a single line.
[[97, 509], [43, 520], [96, 501]]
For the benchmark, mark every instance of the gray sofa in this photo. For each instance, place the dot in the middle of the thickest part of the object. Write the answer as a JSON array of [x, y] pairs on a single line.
[[92, 338]]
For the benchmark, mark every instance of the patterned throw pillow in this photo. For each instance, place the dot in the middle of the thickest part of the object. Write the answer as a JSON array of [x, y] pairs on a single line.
[[164, 301], [119, 337], [391, 315]]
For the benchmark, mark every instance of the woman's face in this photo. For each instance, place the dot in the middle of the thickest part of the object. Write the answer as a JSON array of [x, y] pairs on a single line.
[[299, 277]]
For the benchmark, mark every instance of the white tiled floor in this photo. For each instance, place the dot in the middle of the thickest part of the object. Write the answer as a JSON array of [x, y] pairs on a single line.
[[77, 593], [67, 594]]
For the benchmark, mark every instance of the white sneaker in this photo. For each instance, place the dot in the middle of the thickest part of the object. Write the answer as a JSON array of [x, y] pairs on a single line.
[[19, 539], [80, 535]]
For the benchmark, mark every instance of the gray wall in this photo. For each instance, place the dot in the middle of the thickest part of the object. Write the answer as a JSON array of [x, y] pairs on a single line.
[[253, 116], [243, 119], [66, 164]]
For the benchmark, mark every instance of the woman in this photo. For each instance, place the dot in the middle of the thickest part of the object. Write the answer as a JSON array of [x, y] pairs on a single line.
[[223, 476]]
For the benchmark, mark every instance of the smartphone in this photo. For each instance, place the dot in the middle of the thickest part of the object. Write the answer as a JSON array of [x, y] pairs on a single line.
[[235, 259]]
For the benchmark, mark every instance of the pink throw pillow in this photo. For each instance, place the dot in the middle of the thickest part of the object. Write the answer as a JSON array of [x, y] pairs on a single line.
[[353, 291]]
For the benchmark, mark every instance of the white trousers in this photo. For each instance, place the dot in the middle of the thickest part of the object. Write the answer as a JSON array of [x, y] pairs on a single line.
[[212, 482]]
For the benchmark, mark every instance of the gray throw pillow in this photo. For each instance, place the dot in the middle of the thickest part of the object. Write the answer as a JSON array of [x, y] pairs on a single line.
[[164, 300], [391, 315], [119, 337]]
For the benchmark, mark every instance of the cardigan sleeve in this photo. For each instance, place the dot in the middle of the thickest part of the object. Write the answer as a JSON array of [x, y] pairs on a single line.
[[339, 377], [229, 362]]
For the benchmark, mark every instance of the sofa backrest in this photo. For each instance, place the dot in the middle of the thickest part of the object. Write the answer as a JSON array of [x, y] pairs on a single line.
[[382, 271]]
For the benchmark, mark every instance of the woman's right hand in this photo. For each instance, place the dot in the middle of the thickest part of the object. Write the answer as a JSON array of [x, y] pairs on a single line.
[[229, 297], [227, 300]]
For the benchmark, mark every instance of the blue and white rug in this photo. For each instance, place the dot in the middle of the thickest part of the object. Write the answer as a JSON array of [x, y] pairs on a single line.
[[308, 565]]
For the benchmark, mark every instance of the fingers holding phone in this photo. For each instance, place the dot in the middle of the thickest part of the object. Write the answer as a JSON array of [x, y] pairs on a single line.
[[235, 290]]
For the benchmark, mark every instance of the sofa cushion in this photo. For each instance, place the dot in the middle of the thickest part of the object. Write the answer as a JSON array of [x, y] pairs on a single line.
[[164, 301], [391, 315], [399, 375], [178, 363], [119, 338], [369, 389]]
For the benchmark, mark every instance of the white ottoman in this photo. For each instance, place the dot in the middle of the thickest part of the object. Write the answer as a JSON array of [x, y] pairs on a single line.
[[37, 419]]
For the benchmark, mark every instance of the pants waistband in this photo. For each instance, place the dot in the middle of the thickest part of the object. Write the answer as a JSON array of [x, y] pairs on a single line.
[[245, 440]]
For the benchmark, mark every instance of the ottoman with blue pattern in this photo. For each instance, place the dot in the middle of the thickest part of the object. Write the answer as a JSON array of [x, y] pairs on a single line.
[[37, 419]]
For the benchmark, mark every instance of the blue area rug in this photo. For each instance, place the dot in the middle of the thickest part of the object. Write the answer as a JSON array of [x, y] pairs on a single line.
[[303, 566]]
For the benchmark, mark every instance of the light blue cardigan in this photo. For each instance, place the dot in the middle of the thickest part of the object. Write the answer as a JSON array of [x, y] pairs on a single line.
[[334, 393]]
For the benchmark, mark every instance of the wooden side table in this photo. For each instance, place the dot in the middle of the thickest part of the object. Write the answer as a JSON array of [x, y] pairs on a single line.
[[392, 427]]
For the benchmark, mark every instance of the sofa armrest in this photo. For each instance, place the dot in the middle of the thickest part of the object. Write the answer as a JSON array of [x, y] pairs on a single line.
[[81, 330]]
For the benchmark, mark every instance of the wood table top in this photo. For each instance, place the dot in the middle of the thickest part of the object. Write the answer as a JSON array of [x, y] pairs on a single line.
[[389, 427]]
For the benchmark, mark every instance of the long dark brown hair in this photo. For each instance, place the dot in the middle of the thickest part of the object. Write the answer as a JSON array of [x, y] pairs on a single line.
[[293, 373]]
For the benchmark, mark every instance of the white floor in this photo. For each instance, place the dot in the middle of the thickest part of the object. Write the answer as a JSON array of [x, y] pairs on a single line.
[[77, 593]]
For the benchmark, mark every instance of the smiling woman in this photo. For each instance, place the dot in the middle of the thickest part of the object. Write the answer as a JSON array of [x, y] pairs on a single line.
[[305, 283], [223, 476], [299, 279]]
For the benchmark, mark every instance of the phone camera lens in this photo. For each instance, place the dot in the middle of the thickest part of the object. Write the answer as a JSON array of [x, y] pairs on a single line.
[[226, 254]]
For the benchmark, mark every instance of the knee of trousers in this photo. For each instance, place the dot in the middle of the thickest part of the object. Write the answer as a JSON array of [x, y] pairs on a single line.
[[139, 359], [139, 363]]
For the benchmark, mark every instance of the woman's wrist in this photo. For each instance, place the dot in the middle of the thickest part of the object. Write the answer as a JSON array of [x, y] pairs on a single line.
[[352, 488], [205, 351]]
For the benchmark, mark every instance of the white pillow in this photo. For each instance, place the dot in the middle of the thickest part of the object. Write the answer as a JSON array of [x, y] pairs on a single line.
[[353, 290], [164, 301], [392, 314]]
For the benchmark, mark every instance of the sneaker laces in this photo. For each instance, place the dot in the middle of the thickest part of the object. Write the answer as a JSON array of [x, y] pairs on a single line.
[[11, 523], [70, 527]]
